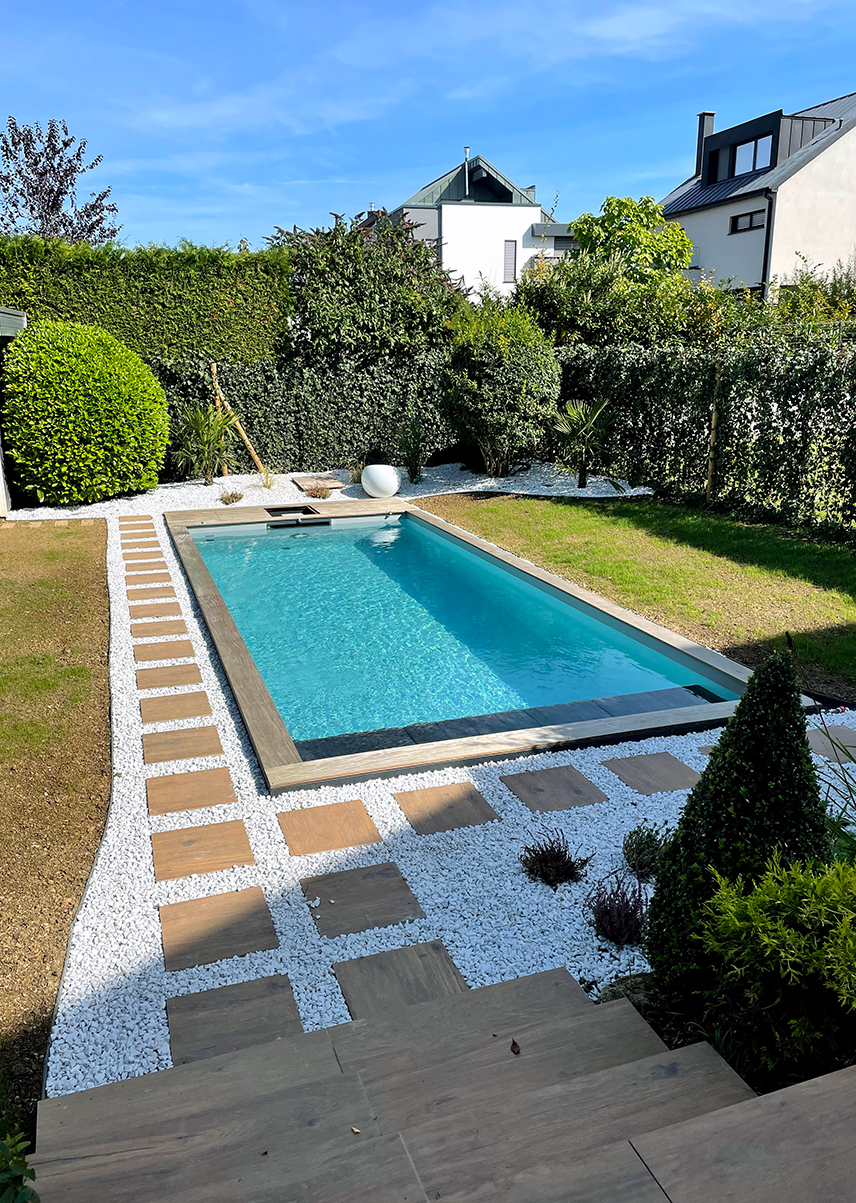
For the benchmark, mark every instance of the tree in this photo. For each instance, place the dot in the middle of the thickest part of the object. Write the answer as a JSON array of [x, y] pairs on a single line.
[[636, 234], [39, 173]]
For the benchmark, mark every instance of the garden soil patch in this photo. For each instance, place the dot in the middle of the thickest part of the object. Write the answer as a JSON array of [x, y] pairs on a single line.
[[55, 775]]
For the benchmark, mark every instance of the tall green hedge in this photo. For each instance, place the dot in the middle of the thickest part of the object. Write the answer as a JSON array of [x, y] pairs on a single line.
[[172, 303]]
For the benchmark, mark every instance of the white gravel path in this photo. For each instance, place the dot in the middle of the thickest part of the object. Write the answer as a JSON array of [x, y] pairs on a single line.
[[110, 1021]]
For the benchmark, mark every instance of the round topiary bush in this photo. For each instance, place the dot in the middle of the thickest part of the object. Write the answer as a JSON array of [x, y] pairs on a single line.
[[83, 417]]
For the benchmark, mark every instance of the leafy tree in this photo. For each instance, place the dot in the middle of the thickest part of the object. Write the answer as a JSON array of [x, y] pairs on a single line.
[[364, 291], [634, 234], [758, 794], [39, 173]]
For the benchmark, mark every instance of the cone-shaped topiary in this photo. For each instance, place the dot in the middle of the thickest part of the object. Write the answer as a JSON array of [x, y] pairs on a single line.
[[758, 793]]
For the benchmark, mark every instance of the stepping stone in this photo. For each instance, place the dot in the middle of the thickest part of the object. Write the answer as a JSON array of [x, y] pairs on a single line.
[[554, 789], [360, 899], [176, 705], [159, 610], [189, 791], [327, 828], [147, 553], [229, 1018], [205, 849], [152, 577], [141, 593], [820, 743], [141, 525], [135, 518], [60, 522], [87, 521], [185, 744], [653, 772], [215, 928], [318, 481], [389, 981], [707, 749], [145, 630], [445, 808], [167, 677], [177, 649], [137, 538]]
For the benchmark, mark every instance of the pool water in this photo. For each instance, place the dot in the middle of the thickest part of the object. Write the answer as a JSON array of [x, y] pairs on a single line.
[[365, 624]]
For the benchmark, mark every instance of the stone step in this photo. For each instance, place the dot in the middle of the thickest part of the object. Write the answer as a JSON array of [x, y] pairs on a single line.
[[472, 1156]]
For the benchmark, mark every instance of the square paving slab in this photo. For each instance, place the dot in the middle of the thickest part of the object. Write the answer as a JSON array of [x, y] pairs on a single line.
[[388, 981], [185, 744], [189, 791], [326, 828], [554, 789], [175, 705], [843, 736], [231, 1018], [169, 675], [359, 899], [205, 849], [653, 772], [212, 929], [445, 807], [176, 649]]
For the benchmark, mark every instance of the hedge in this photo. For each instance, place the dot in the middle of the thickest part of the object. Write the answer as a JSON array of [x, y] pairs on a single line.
[[171, 303], [786, 432]]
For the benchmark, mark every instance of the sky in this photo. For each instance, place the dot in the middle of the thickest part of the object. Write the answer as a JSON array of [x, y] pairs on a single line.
[[222, 120]]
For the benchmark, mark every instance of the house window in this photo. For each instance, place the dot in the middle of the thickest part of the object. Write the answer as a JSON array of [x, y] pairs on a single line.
[[563, 243], [741, 222], [509, 262], [754, 155]]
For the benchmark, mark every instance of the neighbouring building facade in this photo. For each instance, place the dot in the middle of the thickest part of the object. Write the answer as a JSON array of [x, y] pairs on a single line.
[[771, 190], [486, 229]]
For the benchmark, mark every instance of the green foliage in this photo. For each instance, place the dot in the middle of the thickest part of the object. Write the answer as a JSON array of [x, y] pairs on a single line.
[[162, 302], [759, 793], [361, 293], [815, 296], [582, 426], [14, 1171], [412, 444], [643, 848], [83, 417], [201, 442], [503, 384], [782, 954], [634, 233]]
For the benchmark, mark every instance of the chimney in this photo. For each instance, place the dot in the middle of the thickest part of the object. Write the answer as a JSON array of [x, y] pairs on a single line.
[[705, 129]]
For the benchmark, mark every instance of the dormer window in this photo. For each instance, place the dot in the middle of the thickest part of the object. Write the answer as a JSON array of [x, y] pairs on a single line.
[[754, 155]]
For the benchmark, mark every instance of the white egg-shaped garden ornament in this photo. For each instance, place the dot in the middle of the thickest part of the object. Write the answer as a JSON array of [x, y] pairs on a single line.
[[380, 480]]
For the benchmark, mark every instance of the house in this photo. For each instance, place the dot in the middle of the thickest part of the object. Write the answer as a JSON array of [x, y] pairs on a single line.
[[771, 190], [486, 228]]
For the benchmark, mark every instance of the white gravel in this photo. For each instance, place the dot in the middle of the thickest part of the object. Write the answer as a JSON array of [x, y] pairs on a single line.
[[110, 1020]]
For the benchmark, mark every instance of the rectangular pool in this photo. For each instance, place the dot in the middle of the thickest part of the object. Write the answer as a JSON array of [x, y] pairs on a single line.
[[382, 622]]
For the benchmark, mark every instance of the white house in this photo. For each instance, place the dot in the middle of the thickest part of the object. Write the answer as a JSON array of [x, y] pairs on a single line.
[[769, 190], [485, 227]]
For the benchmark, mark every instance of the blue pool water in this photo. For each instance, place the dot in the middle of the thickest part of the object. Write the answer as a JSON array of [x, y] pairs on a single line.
[[366, 624]]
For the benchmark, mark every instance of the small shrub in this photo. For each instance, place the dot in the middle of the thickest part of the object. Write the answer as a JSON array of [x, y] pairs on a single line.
[[317, 491], [83, 417], [413, 446], [356, 473], [582, 427], [642, 848], [202, 439], [783, 951], [550, 860], [618, 908], [230, 498], [14, 1171]]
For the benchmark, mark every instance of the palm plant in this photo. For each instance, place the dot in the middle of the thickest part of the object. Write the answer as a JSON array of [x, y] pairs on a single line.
[[582, 425], [201, 443]]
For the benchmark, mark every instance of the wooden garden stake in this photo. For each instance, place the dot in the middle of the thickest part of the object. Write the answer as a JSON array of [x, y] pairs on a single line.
[[218, 393]]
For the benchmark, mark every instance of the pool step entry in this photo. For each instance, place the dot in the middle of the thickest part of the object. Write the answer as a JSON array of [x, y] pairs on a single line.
[[524, 1091]]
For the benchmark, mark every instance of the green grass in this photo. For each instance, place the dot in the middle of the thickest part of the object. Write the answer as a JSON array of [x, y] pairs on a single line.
[[731, 585]]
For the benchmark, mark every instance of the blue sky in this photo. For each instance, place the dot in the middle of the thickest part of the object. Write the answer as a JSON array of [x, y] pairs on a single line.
[[220, 120]]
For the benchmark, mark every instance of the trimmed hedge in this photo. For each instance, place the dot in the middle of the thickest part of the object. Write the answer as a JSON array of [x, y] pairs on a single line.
[[83, 417], [161, 302]]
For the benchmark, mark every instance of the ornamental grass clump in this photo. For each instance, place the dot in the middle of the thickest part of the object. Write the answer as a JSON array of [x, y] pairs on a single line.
[[618, 908], [551, 861], [643, 848], [83, 417], [759, 793]]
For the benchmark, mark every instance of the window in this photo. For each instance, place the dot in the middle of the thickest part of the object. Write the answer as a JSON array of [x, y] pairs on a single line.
[[509, 263], [754, 155], [741, 222], [564, 242]]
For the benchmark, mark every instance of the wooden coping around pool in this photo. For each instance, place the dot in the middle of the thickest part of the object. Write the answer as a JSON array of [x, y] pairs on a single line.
[[280, 759]]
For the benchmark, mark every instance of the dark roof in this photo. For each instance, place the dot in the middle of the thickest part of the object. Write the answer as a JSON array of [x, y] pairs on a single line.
[[692, 194], [452, 186]]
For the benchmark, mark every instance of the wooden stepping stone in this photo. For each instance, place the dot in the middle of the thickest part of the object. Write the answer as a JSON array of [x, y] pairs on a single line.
[[159, 610], [128, 528], [843, 736], [135, 517], [554, 789], [205, 849], [215, 928], [229, 1018], [144, 591], [176, 649], [185, 744], [147, 553], [445, 808], [327, 828], [189, 791], [152, 577], [653, 772], [360, 899], [167, 677], [389, 981], [318, 481], [176, 705], [144, 630], [132, 538]]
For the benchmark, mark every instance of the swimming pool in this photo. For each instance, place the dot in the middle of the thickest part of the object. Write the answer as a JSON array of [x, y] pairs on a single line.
[[393, 623]]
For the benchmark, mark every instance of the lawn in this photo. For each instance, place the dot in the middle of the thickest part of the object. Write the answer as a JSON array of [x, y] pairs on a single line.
[[727, 584], [55, 768]]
